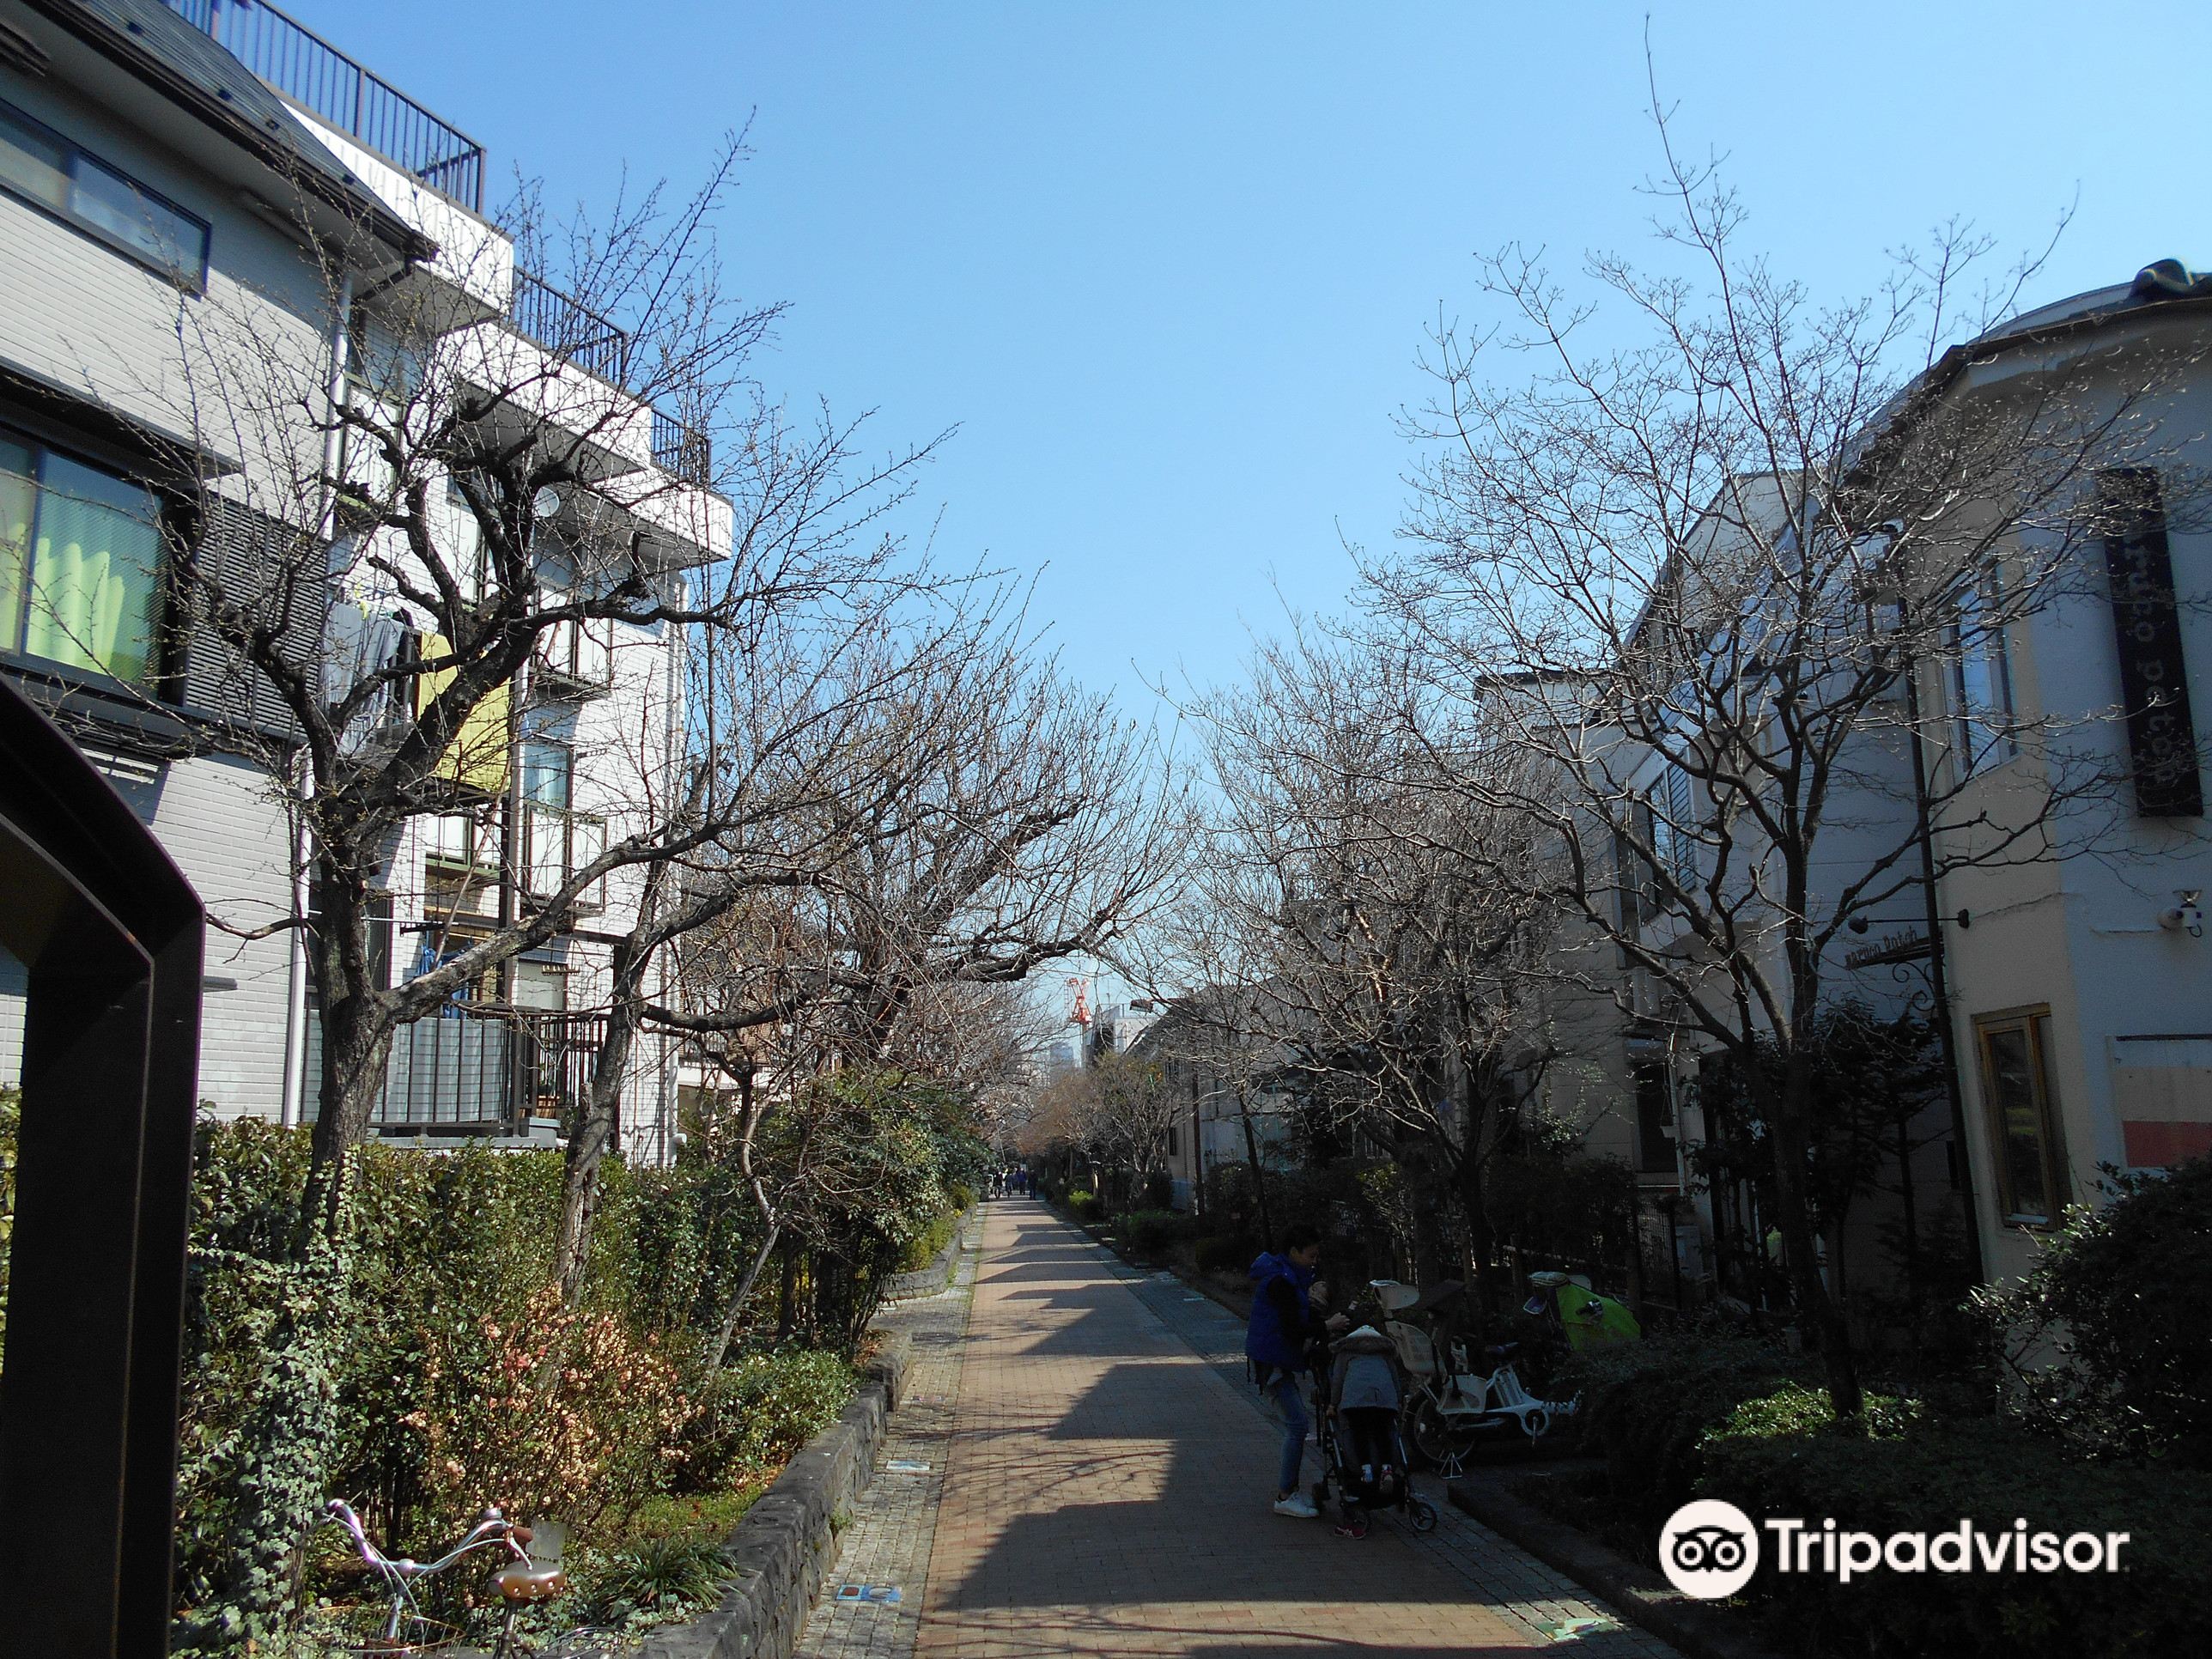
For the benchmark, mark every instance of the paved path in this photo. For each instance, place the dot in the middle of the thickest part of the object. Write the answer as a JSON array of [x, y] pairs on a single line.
[[1103, 1489]]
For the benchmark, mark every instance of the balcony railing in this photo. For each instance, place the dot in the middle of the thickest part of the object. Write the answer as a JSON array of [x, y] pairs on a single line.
[[575, 333], [682, 452], [569, 329], [310, 71], [487, 1071]]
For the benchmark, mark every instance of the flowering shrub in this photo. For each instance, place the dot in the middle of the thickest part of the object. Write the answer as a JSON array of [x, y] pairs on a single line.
[[553, 1411]]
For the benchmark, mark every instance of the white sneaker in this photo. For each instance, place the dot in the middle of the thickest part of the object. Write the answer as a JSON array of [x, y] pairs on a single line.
[[1297, 1505]]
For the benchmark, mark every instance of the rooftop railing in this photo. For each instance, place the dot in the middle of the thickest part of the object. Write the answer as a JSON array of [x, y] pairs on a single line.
[[310, 71], [682, 452]]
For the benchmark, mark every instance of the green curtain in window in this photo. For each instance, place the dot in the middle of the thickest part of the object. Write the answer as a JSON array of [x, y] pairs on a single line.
[[94, 555]]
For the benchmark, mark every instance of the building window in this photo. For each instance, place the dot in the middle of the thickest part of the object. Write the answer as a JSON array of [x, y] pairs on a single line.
[[549, 757], [80, 563], [2031, 1158], [46, 170], [1981, 682], [1174, 1142], [1673, 825]]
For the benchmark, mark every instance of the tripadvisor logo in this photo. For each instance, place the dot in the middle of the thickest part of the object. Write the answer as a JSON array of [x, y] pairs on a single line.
[[1710, 1549]]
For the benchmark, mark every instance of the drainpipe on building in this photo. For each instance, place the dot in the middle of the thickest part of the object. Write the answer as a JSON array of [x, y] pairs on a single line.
[[670, 726], [292, 1109]]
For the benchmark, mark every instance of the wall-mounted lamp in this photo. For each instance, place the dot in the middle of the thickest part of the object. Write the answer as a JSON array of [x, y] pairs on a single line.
[[2186, 917]]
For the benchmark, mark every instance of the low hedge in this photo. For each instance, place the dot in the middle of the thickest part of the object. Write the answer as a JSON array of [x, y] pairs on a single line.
[[1229, 1253], [1783, 1456], [755, 1413], [1084, 1206], [1647, 1406], [928, 1244], [1152, 1232]]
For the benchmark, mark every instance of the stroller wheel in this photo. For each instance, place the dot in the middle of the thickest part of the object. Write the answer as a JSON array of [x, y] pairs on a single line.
[[1422, 1514]]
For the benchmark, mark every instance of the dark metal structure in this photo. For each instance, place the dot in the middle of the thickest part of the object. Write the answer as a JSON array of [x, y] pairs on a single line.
[[111, 936]]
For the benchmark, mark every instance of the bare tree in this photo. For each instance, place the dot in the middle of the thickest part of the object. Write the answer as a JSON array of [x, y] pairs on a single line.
[[1383, 935], [1722, 584], [467, 492]]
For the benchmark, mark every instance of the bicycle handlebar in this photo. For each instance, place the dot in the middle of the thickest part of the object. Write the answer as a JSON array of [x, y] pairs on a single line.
[[492, 1528]]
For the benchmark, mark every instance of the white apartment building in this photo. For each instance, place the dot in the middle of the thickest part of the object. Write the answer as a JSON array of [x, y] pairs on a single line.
[[155, 163]]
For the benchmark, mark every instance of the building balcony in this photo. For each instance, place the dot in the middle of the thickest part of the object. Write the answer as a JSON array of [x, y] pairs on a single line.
[[344, 93], [574, 662], [486, 1071], [578, 335]]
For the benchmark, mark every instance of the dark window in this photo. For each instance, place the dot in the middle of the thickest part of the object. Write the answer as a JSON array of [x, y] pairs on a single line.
[[80, 563], [46, 170], [1174, 1141], [1655, 1116], [2023, 1116]]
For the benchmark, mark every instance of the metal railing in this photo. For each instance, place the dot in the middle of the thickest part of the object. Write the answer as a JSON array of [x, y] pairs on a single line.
[[568, 328], [682, 452], [486, 1071], [310, 71]]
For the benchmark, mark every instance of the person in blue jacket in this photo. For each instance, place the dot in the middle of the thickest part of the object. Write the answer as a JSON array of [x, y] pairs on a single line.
[[1278, 1344]]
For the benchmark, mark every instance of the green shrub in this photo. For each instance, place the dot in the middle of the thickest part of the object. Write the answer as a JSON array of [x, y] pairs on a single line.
[[2115, 1300], [1647, 1406], [657, 1575], [1152, 1232], [1783, 1456], [753, 1414], [1220, 1255], [927, 1245], [1084, 1206]]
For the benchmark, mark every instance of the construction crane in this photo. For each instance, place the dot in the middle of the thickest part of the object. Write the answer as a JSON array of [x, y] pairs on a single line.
[[1081, 1013]]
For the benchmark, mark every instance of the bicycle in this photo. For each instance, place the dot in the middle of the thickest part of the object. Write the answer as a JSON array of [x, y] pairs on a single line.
[[408, 1630], [1450, 1408]]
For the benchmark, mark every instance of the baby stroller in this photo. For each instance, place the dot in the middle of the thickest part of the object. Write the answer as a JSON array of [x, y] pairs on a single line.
[[1363, 1455]]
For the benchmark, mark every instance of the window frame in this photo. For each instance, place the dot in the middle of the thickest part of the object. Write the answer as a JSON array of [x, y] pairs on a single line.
[[1981, 733], [2057, 1177], [191, 282], [160, 678]]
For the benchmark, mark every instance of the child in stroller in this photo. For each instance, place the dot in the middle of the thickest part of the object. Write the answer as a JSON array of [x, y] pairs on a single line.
[[1362, 1454]]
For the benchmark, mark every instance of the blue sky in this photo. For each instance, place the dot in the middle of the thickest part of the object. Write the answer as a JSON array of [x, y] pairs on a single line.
[[1167, 267]]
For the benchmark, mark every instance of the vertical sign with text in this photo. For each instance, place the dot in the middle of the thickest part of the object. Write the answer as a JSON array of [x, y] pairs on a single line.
[[2154, 681]]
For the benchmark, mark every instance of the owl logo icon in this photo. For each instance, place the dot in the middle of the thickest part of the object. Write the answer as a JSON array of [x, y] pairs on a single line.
[[1709, 1549]]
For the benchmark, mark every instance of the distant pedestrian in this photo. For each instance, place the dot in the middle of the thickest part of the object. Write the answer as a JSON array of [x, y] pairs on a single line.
[[1277, 1344]]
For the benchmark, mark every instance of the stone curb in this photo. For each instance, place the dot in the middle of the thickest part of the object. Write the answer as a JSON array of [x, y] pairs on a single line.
[[927, 1281], [1700, 1630], [781, 1552]]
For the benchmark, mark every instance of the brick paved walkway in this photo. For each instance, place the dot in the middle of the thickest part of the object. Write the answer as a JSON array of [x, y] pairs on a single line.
[[1103, 1490], [887, 1542]]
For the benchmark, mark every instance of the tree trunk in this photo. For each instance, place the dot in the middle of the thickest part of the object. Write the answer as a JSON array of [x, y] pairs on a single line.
[[356, 1042], [355, 1019], [590, 1138], [747, 1120], [788, 1292], [592, 1135], [1259, 1175], [1819, 1314]]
